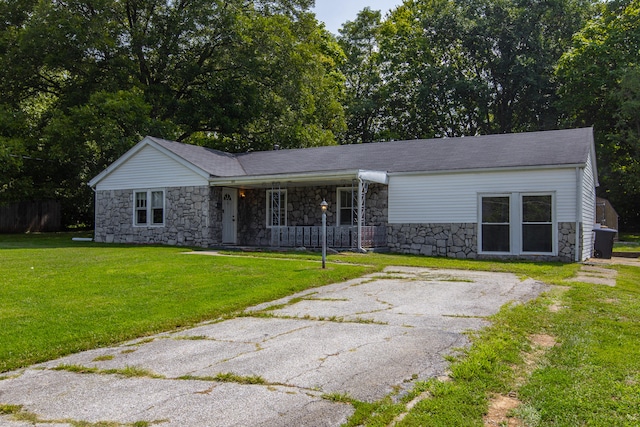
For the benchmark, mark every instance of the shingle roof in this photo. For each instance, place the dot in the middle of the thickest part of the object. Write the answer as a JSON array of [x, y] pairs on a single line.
[[532, 149], [216, 163]]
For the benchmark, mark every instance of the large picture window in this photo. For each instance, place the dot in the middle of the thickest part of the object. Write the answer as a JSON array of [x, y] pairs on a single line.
[[517, 223], [149, 207], [276, 208]]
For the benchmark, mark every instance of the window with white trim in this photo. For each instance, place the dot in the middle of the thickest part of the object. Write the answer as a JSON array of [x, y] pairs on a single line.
[[496, 219], [346, 213], [517, 223], [276, 208], [148, 208], [537, 224]]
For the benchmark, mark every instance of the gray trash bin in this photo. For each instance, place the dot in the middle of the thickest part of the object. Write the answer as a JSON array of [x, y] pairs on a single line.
[[603, 247]]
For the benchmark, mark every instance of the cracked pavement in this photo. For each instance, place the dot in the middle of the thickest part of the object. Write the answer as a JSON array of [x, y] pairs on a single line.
[[365, 338]]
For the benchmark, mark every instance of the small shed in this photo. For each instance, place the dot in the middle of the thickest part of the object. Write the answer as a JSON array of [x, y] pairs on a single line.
[[606, 214]]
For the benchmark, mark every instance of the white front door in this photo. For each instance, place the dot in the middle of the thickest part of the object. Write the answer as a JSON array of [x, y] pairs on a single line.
[[229, 214]]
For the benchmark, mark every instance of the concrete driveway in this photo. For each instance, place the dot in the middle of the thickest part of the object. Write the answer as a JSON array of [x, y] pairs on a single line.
[[364, 338]]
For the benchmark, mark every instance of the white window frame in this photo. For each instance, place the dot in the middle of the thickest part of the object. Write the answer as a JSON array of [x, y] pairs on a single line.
[[149, 207], [516, 223], [554, 224], [283, 207], [510, 223], [354, 220]]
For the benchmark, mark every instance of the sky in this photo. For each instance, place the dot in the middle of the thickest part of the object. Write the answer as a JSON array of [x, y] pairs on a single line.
[[334, 13]]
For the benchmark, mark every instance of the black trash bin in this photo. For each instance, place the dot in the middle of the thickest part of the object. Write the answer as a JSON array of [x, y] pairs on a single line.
[[603, 247]]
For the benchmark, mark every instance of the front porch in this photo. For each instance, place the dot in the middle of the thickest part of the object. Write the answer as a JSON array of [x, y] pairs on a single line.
[[289, 216], [338, 237]]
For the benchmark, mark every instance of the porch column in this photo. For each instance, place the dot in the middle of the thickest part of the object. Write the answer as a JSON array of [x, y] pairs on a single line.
[[360, 212]]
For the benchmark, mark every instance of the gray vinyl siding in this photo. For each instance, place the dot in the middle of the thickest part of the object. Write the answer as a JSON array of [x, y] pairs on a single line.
[[453, 197], [149, 168]]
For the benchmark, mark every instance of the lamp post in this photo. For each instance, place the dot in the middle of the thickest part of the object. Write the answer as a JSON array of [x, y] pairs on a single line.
[[324, 206]]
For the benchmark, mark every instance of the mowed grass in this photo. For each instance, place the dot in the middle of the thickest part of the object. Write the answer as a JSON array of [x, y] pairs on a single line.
[[627, 242], [593, 377], [58, 297]]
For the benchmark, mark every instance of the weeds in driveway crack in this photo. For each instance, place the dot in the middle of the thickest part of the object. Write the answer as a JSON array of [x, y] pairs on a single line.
[[338, 397], [103, 358], [335, 319], [227, 377], [464, 316], [193, 338], [10, 409], [127, 371], [19, 414]]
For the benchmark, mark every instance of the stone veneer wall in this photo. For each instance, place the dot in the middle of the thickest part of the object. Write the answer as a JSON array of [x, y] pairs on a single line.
[[303, 208], [461, 241], [187, 218], [451, 240]]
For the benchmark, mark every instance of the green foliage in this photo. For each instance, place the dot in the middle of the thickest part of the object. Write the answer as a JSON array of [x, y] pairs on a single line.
[[364, 99], [449, 68], [82, 83], [600, 86]]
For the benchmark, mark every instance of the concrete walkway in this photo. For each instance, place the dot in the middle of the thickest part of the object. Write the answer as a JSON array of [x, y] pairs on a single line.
[[365, 338]]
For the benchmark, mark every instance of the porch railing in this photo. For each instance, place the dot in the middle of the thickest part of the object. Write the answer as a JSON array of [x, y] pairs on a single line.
[[337, 237]]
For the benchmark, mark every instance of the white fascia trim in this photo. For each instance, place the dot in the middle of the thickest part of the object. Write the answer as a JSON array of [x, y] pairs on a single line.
[[303, 177], [496, 169], [596, 181], [380, 177], [135, 149]]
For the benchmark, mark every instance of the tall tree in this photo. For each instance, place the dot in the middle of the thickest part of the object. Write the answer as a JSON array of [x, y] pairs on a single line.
[[429, 90], [88, 79], [474, 66], [600, 81], [364, 95]]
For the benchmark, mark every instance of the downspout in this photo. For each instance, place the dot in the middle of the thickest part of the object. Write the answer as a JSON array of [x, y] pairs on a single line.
[[579, 178], [95, 210], [360, 214]]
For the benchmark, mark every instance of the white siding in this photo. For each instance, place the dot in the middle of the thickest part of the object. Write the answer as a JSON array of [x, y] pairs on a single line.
[[149, 168], [588, 209], [453, 198]]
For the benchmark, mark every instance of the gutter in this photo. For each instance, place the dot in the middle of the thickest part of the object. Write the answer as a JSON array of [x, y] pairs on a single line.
[[380, 177], [479, 170]]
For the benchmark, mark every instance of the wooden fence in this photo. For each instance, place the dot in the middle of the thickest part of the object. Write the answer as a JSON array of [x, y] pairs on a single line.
[[33, 216]]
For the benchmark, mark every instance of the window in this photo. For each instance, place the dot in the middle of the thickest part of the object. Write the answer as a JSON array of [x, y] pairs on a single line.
[[149, 207], [496, 236], [346, 213], [276, 208], [537, 224], [517, 223]]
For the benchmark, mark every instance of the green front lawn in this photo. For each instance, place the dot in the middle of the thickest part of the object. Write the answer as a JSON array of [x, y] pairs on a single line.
[[59, 296]]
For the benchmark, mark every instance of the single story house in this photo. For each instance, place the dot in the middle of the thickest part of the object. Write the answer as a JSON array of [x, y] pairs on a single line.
[[526, 196]]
